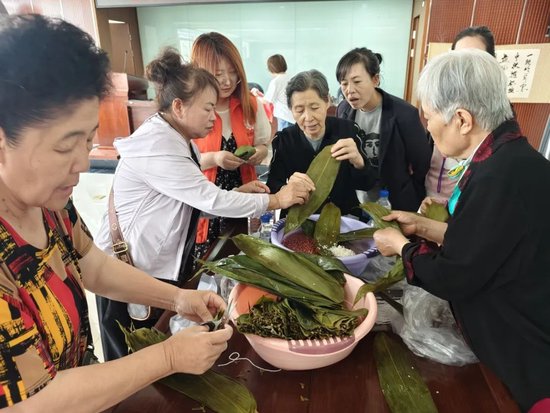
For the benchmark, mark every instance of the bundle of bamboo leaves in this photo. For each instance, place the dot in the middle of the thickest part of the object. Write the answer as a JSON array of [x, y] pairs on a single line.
[[214, 390], [310, 288]]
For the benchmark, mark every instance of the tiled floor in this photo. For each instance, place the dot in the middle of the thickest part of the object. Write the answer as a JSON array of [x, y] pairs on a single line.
[[90, 198]]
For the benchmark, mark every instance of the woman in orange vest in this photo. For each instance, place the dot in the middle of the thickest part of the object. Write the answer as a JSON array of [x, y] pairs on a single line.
[[239, 121]]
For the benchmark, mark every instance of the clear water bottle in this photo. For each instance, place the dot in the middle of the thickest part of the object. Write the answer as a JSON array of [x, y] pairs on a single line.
[[266, 221], [384, 198], [254, 226]]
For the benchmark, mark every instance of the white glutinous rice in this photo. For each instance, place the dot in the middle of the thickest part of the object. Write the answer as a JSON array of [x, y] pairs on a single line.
[[340, 251]]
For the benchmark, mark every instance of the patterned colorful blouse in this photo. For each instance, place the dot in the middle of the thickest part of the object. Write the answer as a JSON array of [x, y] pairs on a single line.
[[43, 312]]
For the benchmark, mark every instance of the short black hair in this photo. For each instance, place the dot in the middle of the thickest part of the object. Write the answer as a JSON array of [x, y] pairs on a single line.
[[482, 32], [47, 65], [370, 60], [174, 79]]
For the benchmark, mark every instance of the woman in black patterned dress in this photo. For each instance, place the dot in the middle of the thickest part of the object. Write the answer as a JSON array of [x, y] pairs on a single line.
[[240, 120]]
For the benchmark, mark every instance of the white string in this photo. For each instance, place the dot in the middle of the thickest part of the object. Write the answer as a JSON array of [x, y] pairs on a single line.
[[235, 356]]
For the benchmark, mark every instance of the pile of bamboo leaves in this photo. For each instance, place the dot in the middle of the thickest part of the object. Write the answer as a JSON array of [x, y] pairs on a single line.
[[310, 291], [216, 391]]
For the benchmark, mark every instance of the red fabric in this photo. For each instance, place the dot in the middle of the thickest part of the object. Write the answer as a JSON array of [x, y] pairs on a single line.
[[542, 406], [213, 142], [423, 247], [268, 107]]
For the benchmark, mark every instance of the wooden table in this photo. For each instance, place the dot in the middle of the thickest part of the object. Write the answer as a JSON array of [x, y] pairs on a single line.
[[350, 386]]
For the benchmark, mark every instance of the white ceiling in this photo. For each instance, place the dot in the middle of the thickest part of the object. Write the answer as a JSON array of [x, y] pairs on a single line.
[[142, 3]]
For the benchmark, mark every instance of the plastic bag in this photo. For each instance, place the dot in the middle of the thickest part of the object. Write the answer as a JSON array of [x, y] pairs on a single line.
[[177, 322], [377, 267], [226, 286], [430, 330]]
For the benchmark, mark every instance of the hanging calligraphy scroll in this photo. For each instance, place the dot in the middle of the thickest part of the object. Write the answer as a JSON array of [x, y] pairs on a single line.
[[519, 66], [527, 68]]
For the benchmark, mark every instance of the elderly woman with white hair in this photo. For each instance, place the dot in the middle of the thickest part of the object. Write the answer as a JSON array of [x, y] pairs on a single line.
[[491, 259]]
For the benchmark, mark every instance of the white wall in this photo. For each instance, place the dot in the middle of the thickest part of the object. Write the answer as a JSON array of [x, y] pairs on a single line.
[[311, 35]]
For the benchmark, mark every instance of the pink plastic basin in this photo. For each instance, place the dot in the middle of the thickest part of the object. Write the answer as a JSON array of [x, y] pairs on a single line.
[[304, 354]]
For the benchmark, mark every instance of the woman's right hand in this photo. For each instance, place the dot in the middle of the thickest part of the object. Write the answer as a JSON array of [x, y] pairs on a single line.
[[304, 179], [389, 241], [408, 221], [296, 191], [227, 160], [194, 350]]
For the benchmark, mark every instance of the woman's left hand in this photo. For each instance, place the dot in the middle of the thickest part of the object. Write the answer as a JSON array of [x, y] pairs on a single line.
[[254, 187], [259, 156], [389, 241], [198, 305], [346, 149]]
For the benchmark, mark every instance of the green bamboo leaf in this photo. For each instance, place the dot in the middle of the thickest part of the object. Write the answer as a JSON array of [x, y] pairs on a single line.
[[244, 152], [322, 171], [333, 266], [396, 274], [327, 228], [293, 320], [437, 212], [292, 266], [243, 269], [376, 212], [401, 383], [387, 298], [357, 234], [308, 227], [216, 391]]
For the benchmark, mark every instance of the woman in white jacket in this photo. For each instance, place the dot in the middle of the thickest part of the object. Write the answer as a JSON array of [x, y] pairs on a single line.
[[159, 187]]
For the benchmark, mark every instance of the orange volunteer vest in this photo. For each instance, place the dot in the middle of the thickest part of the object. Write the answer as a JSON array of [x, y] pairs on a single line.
[[213, 142]]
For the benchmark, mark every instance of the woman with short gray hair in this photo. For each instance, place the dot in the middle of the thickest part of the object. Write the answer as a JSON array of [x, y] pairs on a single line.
[[467, 80], [490, 259], [295, 146], [310, 79]]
